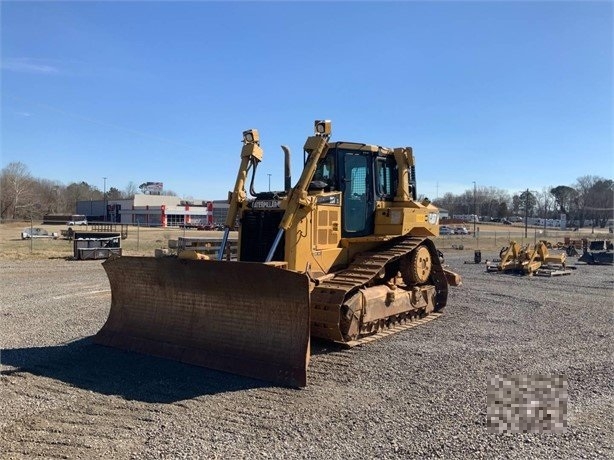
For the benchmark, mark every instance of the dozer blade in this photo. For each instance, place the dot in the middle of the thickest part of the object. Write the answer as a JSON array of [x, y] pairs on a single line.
[[245, 318]]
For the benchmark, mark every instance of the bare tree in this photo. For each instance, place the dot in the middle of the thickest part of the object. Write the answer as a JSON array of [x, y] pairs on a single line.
[[446, 202], [50, 197], [593, 195], [114, 194], [17, 191], [130, 190], [80, 192], [599, 204], [487, 201], [545, 201], [492, 201]]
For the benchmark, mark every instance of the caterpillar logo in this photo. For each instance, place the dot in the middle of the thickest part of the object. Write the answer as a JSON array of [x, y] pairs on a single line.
[[266, 204]]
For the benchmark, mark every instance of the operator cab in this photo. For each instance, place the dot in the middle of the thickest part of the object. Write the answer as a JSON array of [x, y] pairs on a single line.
[[365, 174]]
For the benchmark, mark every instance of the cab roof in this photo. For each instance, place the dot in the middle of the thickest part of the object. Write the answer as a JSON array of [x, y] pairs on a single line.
[[362, 147]]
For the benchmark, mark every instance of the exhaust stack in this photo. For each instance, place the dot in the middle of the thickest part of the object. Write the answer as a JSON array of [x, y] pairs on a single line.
[[287, 173]]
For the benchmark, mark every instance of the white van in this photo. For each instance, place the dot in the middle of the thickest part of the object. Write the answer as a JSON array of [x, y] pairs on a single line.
[[77, 219]]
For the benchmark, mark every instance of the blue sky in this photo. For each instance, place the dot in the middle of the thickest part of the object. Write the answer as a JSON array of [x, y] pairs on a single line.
[[512, 95]]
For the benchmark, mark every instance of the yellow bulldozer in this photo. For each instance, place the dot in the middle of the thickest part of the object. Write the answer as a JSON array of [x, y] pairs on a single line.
[[343, 255]]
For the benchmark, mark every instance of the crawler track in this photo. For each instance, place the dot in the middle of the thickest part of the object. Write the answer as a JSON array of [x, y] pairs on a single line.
[[393, 330], [328, 297]]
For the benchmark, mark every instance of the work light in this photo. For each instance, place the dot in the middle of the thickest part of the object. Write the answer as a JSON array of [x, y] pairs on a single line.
[[322, 127], [250, 136]]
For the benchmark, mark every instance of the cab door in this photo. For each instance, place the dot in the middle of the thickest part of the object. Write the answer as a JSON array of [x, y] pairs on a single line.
[[357, 187]]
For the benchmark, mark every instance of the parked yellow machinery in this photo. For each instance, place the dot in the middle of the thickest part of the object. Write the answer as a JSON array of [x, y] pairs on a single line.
[[530, 259], [344, 254]]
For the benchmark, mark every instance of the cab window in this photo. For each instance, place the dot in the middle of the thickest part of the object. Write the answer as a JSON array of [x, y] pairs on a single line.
[[325, 171], [385, 176]]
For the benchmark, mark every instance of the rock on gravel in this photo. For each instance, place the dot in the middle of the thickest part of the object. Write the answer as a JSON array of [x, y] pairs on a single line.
[[418, 394]]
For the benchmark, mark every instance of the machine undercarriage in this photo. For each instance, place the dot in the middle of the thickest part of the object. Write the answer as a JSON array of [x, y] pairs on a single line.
[[379, 290]]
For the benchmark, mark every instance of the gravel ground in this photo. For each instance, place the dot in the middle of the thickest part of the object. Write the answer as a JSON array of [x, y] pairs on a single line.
[[418, 394]]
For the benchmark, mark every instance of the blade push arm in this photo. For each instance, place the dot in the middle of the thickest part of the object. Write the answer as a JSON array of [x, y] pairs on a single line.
[[316, 147], [404, 157], [251, 155]]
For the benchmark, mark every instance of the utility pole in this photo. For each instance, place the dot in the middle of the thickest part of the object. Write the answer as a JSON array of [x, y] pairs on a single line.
[[545, 213], [269, 182], [475, 212], [526, 212], [104, 199]]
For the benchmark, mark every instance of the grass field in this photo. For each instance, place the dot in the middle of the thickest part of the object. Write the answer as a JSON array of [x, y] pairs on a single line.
[[142, 241]]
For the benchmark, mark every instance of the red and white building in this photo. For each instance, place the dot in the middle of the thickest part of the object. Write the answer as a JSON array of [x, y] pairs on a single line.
[[156, 211]]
